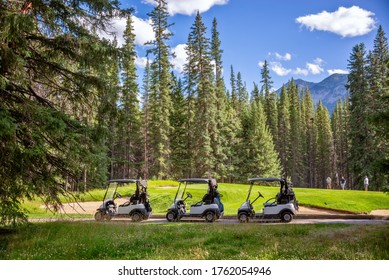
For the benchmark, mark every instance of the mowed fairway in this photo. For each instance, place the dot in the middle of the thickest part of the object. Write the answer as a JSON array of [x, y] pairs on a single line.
[[116, 240]]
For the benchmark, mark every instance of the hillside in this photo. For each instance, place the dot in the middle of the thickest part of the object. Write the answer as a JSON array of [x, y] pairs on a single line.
[[329, 91]]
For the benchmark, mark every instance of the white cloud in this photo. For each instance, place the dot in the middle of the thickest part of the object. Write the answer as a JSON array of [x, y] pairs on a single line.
[[189, 7], [337, 71], [315, 69], [285, 57], [346, 22], [142, 29], [299, 71], [115, 29], [261, 63], [180, 57], [279, 69], [141, 62]]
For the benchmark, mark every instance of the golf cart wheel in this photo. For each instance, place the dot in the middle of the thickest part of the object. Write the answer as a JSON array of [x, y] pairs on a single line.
[[136, 217], [286, 217], [243, 218], [99, 216], [107, 217], [171, 216], [210, 217]]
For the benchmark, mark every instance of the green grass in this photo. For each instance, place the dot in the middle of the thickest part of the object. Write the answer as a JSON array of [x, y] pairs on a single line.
[[117, 240], [162, 194]]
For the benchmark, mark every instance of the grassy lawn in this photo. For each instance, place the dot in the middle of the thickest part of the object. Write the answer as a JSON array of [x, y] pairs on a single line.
[[162, 194], [118, 240]]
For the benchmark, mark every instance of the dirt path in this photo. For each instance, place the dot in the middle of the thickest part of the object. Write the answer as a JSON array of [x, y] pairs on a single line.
[[90, 208]]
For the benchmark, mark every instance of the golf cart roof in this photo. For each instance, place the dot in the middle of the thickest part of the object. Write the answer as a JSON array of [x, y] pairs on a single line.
[[195, 180], [265, 180], [123, 181]]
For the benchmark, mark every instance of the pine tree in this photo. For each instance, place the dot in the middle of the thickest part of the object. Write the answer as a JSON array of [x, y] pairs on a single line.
[[146, 120], [360, 131], [259, 157], [160, 95], [270, 101], [339, 123], [220, 141], [324, 145], [284, 131], [377, 73], [243, 96], [178, 121], [309, 139], [129, 115], [205, 125], [49, 66], [295, 160]]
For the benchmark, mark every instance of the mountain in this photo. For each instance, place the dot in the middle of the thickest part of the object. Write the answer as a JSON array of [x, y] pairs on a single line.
[[329, 91]]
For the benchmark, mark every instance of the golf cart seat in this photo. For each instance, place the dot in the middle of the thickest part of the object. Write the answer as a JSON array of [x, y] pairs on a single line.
[[208, 198], [134, 199]]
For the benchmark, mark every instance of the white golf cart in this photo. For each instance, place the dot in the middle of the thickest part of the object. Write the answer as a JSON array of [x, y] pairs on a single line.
[[282, 207], [136, 206], [210, 207]]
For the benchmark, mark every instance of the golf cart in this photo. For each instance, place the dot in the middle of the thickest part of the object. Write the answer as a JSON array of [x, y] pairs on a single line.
[[282, 207], [136, 206], [209, 207]]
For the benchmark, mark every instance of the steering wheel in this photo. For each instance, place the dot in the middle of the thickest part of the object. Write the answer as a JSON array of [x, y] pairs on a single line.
[[118, 195], [189, 195], [260, 195], [271, 203]]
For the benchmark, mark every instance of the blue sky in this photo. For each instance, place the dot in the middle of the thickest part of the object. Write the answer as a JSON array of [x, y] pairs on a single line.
[[303, 39]]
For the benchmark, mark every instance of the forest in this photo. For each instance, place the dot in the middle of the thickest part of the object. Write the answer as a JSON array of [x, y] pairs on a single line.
[[72, 113]]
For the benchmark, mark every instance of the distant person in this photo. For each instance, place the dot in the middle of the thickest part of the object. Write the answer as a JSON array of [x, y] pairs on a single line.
[[328, 181], [366, 183], [342, 182]]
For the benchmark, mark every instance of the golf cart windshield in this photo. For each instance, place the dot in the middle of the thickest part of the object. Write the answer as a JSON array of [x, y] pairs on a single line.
[[195, 184], [111, 190]]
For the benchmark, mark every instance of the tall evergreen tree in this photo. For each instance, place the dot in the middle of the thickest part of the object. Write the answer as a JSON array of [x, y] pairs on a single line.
[[377, 72], [178, 121], [130, 116], [309, 139], [205, 127], [324, 145], [339, 123], [47, 54], [146, 120], [360, 130], [220, 141], [284, 131], [259, 157], [160, 95], [295, 161]]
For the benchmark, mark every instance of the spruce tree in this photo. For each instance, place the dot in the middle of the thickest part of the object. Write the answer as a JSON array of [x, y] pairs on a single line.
[[146, 120], [308, 139], [160, 95], [284, 131], [220, 141], [360, 130], [178, 121], [205, 127], [377, 73], [295, 160], [48, 59], [270, 101], [259, 157], [324, 145], [129, 114]]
